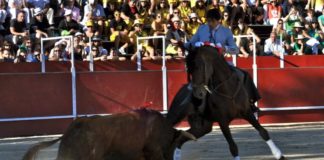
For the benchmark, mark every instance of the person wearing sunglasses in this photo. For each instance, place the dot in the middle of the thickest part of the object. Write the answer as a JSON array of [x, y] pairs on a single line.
[[119, 33]]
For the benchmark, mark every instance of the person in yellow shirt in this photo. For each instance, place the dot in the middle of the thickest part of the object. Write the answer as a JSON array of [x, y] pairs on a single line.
[[185, 10], [193, 24], [217, 5], [201, 10], [163, 8]]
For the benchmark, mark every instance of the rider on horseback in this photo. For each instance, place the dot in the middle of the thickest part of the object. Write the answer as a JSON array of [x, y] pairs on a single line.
[[221, 37]]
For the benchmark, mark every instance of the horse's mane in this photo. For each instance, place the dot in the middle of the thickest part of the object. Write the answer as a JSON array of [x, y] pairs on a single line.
[[208, 54]]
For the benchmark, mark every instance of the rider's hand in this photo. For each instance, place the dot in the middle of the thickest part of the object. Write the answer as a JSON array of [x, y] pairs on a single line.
[[199, 44]]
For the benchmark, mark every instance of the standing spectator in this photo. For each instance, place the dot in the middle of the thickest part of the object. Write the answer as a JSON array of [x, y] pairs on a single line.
[[273, 46], [321, 20], [119, 32], [39, 25], [18, 28], [236, 12], [293, 17], [3, 14], [273, 12], [175, 39], [44, 5], [95, 12], [68, 26]]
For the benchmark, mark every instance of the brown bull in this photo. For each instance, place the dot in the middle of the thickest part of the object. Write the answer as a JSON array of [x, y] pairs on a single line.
[[137, 135]]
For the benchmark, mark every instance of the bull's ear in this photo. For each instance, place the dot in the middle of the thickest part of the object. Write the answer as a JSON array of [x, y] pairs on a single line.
[[188, 135]]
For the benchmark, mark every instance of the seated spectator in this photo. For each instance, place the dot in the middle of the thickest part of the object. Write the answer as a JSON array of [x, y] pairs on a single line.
[[39, 25], [236, 13], [68, 26], [225, 19], [193, 25], [95, 12], [310, 16], [312, 33], [129, 12], [146, 51], [7, 56], [78, 47], [299, 46], [18, 28], [21, 55], [273, 46], [185, 10], [293, 17], [119, 32], [74, 7], [246, 45], [321, 20], [97, 55], [59, 52], [163, 9], [3, 14], [143, 12], [159, 26], [28, 46], [282, 35], [247, 13], [297, 30], [15, 6], [201, 9], [175, 39], [44, 5], [315, 5], [273, 12], [90, 30]]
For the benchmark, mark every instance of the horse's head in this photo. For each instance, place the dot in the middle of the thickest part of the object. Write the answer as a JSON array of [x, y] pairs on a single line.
[[200, 63]]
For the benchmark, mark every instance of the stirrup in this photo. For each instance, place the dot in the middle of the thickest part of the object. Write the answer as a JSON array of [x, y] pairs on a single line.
[[177, 154]]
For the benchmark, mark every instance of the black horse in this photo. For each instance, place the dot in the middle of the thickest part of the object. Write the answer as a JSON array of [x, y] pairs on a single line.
[[218, 93]]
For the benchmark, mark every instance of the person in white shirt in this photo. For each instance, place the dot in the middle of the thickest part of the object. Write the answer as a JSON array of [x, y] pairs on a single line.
[[273, 46]]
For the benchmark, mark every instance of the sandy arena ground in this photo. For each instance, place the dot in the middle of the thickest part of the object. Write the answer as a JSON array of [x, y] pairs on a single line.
[[297, 142]]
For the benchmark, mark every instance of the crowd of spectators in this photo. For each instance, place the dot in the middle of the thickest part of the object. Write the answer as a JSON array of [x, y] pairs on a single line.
[[113, 26]]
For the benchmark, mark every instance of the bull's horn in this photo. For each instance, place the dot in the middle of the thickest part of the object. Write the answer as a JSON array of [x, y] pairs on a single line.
[[188, 135]]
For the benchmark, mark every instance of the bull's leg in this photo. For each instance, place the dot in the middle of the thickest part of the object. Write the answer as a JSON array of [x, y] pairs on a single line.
[[224, 126], [265, 136]]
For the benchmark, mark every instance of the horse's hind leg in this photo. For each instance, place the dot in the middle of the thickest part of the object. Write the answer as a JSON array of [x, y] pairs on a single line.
[[228, 136], [265, 136]]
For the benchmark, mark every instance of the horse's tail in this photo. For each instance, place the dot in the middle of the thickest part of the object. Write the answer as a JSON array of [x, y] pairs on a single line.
[[32, 152]]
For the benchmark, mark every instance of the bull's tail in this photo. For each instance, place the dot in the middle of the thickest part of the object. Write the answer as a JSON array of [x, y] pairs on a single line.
[[32, 152]]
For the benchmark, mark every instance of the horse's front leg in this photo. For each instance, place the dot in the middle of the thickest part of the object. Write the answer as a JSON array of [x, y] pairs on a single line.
[[224, 126], [265, 136]]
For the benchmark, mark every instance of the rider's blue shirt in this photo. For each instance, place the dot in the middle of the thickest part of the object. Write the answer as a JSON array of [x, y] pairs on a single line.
[[221, 35]]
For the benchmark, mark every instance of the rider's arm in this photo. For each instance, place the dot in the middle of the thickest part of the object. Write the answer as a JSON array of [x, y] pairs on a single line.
[[230, 46], [194, 39]]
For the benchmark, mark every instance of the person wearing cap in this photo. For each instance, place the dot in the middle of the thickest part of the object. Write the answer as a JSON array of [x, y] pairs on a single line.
[[97, 42], [70, 5], [193, 24], [175, 39], [146, 51], [44, 5], [95, 12], [90, 30], [300, 45], [297, 30], [68, 26], [39, 25]]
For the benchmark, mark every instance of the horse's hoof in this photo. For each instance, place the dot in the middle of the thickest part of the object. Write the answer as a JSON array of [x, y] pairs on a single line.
[[283, 158]]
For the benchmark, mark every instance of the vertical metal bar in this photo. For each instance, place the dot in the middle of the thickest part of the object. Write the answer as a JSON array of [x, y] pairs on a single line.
[[139, 59], [282, 57], [91, 66], [164, 78], [73, 74], [42, 56], [234, 59]]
